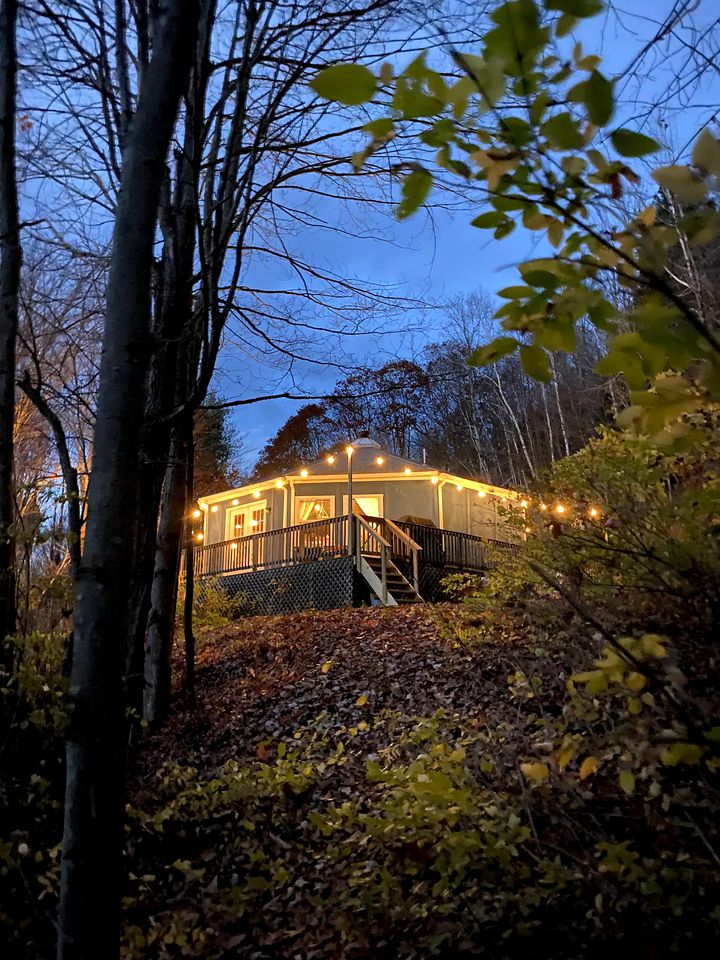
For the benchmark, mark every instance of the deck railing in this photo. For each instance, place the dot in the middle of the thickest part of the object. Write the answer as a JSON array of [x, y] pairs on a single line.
[[274, 548], [450, 548], [323, 539]]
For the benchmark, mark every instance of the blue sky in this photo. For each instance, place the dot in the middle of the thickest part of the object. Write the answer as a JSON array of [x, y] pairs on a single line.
[[436, 257]]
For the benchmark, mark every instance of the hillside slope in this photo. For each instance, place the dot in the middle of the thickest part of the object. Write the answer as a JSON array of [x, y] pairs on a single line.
[[406, 783]]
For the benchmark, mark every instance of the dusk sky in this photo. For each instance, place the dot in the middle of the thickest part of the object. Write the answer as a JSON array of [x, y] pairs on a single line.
[[436, 255]]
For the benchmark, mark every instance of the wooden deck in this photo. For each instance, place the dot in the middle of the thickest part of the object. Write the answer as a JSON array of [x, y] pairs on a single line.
[[408, 543]]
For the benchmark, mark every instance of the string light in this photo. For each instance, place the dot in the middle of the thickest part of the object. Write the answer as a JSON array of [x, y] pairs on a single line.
[[200, 536], [523, 504], [435, 480], [233, 546], [303, 472], [481, 494], [256, 494], [528, 529], [197, 513], [594, 512], [458, 486], [349, 450], [214, 509], [543, 506], [331, 459], [408, 471], [279, 484], [318, 508], [379, 461], [235, 502], [559, 508], [253, 523]]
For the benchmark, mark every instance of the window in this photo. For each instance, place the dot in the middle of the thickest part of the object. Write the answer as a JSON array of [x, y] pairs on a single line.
[[308, 509], [372, 505]]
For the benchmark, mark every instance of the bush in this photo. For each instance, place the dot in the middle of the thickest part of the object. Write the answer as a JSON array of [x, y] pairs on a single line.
[[33, 711]]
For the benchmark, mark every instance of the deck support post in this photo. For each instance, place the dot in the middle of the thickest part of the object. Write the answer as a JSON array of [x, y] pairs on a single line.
[[383, 570]]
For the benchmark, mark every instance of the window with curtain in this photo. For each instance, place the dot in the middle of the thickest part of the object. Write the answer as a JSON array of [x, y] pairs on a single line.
[[308, 509]]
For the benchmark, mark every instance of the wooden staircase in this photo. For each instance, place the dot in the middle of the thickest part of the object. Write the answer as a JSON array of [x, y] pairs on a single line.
[[378, 542]]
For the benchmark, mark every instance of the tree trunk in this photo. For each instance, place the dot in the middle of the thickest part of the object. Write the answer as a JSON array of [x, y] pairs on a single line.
[[91, 876], [161, 621], [10, 259], [190, 577]]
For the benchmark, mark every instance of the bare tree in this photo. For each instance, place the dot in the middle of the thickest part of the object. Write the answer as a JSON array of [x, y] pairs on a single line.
[[10, 258], [89, 916]]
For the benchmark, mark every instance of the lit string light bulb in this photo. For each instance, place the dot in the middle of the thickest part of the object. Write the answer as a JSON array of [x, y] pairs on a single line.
[[303, 472]]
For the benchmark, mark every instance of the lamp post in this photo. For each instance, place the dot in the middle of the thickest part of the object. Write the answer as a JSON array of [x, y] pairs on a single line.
[[349, 450]]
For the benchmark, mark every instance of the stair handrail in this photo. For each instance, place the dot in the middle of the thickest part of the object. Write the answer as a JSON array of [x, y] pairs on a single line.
[[415, 549], [384, 549]]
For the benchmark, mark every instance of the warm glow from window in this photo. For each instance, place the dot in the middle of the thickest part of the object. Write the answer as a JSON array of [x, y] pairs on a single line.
[[331, 459], [481, 493], [379, 461], [303, 472], [407, 470], [197, 513], [559, 508], [434, 479], [256, 494]]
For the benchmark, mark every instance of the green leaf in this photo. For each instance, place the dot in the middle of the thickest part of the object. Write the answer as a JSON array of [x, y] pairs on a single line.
[[576, 8], [380, 128], [416, 186], [536, 363], [629, 143], [706, 153], [347, 83], [487, 76], [681, 181], [486, 220], [627, 782], [514, 293], [598, 98], [563, 132], [493, 351]]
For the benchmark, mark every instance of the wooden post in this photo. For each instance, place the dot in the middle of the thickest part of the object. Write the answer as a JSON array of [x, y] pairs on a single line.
[[383, 568]]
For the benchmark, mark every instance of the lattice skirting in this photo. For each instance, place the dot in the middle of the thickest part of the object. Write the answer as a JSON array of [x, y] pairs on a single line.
[[318, 585]]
